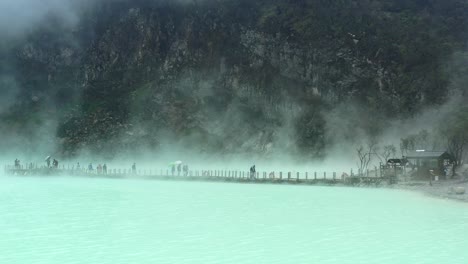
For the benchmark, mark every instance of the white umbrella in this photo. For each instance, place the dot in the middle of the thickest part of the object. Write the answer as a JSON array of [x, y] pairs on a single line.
[[48, 157], [175, 163]]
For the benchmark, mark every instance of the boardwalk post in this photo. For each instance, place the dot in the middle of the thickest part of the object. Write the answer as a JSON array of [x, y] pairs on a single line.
[[298, 176], [334, 175], [325, 175], [307, 175], [281, 175], [315, 175], [289, 175]]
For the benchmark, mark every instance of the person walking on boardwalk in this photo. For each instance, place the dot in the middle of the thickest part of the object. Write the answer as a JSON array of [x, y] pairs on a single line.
[[173, 169], [252, 172], [78, 167], [17, 164], [99, 168], [179, 169], [48, 161], [185, 169], [134, 168], [55, 163], [90, 168], [104, 169]]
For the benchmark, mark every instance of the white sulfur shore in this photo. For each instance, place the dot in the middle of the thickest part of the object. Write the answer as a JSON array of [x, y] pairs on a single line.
[[446, 189]]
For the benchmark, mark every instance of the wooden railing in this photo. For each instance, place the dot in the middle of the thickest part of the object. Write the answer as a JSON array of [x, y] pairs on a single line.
[[305, 177]]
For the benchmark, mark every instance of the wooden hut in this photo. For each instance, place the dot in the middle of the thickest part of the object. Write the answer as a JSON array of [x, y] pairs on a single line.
[[425, 164]]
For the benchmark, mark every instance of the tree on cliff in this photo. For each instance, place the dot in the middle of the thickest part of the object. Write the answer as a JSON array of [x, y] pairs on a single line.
[[456, 134]]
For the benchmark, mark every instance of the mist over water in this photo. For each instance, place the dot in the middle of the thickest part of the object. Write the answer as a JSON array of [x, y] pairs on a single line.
[[71, 220]]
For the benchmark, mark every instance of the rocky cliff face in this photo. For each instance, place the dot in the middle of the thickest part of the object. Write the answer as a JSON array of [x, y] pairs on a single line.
[[227, 76]]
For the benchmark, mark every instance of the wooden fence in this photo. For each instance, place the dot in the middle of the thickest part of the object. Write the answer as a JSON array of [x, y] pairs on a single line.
[[305, 177]]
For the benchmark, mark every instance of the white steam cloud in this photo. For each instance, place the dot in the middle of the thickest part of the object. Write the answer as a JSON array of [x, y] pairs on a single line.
[[20, 16]]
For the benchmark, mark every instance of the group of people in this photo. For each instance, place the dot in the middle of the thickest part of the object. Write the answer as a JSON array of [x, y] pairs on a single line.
[[100, 169], [55, 163], [180, 169]]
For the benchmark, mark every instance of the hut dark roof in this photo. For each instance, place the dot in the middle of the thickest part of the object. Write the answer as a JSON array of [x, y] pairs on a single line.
[[397, 161], [428, 155]]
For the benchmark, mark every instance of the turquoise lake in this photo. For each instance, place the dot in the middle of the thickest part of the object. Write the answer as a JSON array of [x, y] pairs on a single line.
[[104, 221]]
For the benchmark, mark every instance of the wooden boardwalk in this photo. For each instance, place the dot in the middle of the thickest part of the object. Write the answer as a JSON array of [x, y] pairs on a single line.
[[234, 176]]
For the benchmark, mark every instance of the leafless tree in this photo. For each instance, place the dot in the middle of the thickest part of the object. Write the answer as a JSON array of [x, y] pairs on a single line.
[[456, 146], [456, 135], [365, 155], [421, 140], [387, 152]]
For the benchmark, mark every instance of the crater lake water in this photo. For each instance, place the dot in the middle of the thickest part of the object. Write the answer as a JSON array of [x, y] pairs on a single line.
[[106, 221]]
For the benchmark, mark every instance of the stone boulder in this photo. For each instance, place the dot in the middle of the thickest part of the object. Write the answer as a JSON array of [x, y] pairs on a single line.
[[459, 190]]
